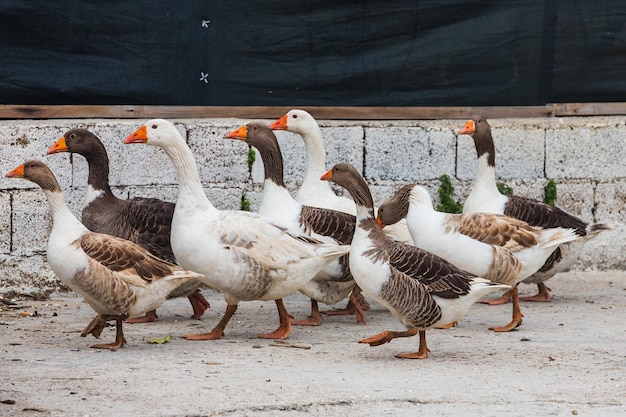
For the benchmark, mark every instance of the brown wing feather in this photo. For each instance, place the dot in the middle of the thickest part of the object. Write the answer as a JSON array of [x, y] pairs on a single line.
[[495, 229], [411, 300], [440, 277], [537, 213], [118, 255], [338, 225]]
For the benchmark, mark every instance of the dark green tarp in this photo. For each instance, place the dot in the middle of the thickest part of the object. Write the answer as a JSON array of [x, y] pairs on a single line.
[[331, 53]]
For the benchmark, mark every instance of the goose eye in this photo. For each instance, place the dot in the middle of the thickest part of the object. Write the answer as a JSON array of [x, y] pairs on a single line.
[[154, 126], [295, 116]]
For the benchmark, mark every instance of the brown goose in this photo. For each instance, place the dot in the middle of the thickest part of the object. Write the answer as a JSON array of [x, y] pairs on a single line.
[[117, 277], [334, 282], [144, 221], [485, 197], [420, 289], [497, 247]]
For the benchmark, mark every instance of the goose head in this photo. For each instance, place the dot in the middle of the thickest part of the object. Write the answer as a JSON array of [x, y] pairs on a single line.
[[478, 128], [156, 132], [255, 134], [37, 172], [296, 121], [80, 141], [397, 207], [475, 125], [348, 177]]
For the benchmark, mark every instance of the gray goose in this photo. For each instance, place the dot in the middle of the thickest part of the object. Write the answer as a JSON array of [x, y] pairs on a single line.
[[334, 282], [243, 255], [485, 197], [144, 221], [497, 247], [118, 278], [420, 289]]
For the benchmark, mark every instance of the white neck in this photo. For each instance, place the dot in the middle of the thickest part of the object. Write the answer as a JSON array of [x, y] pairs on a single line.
[[316, 158], [277, 201], [485, 195], [62, 217], [190, 186]]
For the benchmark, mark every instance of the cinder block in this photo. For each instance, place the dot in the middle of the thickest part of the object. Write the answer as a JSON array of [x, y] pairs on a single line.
[[31, 222], [610, 201], [225, 198], [605, 251], [586, 152], [408, 153], [28, 275], [5, 223], [577, 198], [219, 160], [519, 154], [21, 141]]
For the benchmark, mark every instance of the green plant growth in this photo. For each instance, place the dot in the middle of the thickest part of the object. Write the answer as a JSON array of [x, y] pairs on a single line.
[[504, 189], [549, 193], [447, 204], [245, 203], [251, 159]]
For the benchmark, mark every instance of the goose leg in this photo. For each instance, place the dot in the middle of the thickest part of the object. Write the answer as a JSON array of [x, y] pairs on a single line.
[[149, 317], [516, 321], [198, 303], [543, 294], [119, 334], [314, 320], [285, 323], [95, 327], [218, 331], [356, 305], [386, 337], [422, 353]]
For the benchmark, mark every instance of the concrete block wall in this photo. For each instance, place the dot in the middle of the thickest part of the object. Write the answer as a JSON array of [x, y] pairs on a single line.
[[586, 157]]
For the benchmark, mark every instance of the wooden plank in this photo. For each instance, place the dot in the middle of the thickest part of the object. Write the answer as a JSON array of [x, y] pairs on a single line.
[[321, 112], [589, 109]]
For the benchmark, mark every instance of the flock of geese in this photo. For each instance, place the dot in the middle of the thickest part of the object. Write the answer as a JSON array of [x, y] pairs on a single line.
[[426, 267]]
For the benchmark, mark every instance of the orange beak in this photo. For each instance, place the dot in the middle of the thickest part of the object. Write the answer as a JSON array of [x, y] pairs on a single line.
[[59, 146], [468, 129], [239, 134], [17, 172], [280, 124], [380, 222], [328, 176], [138, 136]]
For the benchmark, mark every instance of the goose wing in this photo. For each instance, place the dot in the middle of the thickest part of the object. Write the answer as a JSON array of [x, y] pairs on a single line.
[[132, 263]]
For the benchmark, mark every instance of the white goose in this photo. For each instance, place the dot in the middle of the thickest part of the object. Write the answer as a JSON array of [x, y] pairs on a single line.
[[485, 197], [497, 247], [334, 282], [118, 278], [420, 289], [312, 191], [244, 255]]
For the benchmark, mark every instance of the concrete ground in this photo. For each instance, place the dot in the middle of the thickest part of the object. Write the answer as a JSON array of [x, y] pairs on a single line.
[[568, 358]]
